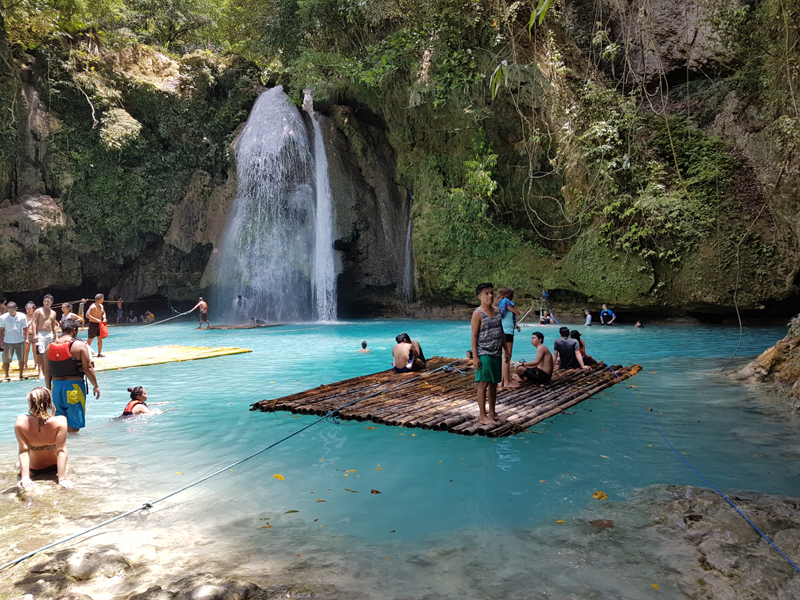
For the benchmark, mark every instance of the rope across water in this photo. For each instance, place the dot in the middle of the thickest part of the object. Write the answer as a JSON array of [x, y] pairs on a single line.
[[150, 504]]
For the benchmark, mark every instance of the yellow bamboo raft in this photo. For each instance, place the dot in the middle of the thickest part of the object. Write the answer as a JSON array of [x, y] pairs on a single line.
[[445, 401], [145, 357]]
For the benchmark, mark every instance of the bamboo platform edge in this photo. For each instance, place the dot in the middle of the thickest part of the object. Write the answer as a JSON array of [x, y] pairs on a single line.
[[445, 401]]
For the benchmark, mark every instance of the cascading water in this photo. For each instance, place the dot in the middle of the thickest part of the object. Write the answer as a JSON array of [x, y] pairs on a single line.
[[324, 272], [273, 266]]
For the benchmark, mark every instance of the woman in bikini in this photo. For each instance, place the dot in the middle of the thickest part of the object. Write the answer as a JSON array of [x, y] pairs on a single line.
[[42, 441]]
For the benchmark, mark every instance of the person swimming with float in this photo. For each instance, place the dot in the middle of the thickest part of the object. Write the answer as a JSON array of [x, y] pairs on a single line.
[[138, 403]]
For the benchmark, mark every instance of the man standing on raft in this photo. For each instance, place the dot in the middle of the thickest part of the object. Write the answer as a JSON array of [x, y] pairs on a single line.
[[203, 306], [488, 351], [96, 315]]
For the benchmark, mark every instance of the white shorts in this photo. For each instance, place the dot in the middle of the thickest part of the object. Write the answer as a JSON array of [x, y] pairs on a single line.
[[43, 339]]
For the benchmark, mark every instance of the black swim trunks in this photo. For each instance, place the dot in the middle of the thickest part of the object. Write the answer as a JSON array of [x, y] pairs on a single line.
[[203, 316], [94, 329], [51, 470], [536, 375]]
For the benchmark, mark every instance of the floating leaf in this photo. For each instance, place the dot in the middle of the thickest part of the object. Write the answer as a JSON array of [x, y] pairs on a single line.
[[299, 555], [600, 495], [374, 492], [348, 490], [378, 469], [320, 500], [370, 427], [315, 520], [542, 480], [350, 471], [559, 521], [279, 477], [655, 586], [267, 526], [603, 456], [288, 512], [179, 473]]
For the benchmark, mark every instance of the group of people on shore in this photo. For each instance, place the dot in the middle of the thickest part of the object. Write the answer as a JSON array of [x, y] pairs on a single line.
[[31, 333]]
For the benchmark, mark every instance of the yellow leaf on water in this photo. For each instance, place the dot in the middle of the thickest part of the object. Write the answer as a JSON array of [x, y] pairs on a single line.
[[350, 471], [600, 495], [542, 480], [655, 586], [378, 469], [179, 473], [265, 526], [559, 521], [370, 427], [279, 477]]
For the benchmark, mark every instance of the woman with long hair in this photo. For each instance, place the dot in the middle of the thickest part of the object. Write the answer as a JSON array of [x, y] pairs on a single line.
[[42, 440]]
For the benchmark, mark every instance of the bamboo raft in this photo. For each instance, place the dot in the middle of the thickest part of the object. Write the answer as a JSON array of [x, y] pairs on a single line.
[[144, 357], [445, 401]]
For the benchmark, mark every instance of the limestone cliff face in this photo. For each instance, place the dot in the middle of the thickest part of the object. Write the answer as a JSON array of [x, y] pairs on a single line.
[[372, 213]]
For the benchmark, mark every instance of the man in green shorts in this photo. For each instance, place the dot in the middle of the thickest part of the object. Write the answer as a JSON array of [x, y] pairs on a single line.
[[488, 349]]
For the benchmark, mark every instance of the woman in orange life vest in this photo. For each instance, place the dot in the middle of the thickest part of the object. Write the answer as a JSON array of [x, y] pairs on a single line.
[[138, 403]]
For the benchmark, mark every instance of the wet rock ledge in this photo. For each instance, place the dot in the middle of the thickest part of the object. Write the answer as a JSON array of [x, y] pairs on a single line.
[[779, 366]]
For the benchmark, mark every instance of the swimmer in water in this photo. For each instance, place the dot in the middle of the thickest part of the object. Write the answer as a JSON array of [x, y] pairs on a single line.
[[138, 403]]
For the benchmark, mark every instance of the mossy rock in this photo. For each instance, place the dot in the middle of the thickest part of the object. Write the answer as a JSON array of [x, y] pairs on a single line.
[[607, 275]]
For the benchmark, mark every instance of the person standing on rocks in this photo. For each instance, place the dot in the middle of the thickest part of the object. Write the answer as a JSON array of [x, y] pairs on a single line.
[[45, 326], [203, 306], [13, 327], [42, 440], [96, 315]]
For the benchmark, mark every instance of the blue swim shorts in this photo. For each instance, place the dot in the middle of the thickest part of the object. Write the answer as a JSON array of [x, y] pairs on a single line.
[[69, 398], [491, 370]]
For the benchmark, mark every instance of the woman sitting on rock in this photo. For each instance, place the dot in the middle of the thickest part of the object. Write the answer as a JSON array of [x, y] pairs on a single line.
[[42, 440]]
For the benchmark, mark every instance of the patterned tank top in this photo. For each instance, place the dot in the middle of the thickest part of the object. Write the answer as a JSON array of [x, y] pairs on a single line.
[[490, 337]]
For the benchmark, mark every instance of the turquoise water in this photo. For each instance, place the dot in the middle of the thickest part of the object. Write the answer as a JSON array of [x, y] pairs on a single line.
[[431, 483]]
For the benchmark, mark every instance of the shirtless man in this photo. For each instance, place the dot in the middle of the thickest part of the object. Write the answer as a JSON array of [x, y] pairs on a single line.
[[407, 355], [42, 440], [45, 326], [69, 361], [539, 370], [203, 306], [96, 315]]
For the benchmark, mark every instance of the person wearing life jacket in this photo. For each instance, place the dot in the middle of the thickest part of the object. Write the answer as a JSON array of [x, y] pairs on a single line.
[[69, 364], [138, 403]]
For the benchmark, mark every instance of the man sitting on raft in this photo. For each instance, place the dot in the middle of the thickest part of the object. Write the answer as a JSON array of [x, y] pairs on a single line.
[[42, 440], [408, 355], [539, 370]]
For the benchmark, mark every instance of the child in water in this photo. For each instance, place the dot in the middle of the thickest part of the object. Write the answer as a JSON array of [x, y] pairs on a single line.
[[508, 314], [138, 403]]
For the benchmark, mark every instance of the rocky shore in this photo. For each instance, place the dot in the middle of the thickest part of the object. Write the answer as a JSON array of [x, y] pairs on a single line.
[[779, 368], [677, 541]]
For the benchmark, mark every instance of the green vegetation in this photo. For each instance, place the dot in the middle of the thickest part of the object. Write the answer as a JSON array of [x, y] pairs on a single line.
[[519, 149]]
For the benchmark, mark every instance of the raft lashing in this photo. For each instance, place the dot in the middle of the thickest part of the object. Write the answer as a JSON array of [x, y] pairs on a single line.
[[445, 400]]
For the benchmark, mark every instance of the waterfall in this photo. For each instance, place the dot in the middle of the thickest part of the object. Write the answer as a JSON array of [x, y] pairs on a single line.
[[273, 263], [324, 274], [408, 268]]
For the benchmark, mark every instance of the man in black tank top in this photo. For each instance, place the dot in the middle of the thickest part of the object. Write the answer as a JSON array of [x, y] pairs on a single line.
[[489, 349]]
